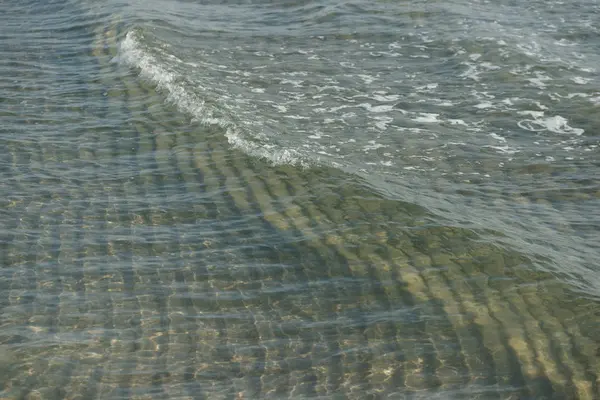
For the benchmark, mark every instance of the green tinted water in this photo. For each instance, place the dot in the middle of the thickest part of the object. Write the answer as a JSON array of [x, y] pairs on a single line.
[[143, 257]]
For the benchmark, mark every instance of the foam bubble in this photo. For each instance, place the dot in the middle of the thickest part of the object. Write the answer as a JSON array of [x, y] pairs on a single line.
[[427, 87], [276, 155], [385, 97], [383, 122], [534, 114], [427, 118], [560, 124], [377, 109], [295, 116], [373, 146], [503, 149], [471, 72], [580, 80], [368, 79], [540, 80], [498, 137], [132, 53], [294, 82], [556, 124], [484, 105]]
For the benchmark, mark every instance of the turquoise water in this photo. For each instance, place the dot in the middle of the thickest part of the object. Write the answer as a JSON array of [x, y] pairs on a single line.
[[299, 200]]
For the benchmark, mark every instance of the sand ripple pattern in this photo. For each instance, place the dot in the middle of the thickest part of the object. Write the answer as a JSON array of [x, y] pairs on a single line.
[[142, 257]]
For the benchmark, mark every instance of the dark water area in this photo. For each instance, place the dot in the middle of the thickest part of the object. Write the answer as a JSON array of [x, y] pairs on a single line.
[[243, 200]]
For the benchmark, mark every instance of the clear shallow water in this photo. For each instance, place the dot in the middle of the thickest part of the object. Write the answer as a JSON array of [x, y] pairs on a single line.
[[301, 200]]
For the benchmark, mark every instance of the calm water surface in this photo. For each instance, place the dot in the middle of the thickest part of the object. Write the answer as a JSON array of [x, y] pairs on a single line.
[[299, 199]]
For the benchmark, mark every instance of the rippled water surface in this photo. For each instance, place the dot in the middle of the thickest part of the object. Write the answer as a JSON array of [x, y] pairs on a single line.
[[299, 199]]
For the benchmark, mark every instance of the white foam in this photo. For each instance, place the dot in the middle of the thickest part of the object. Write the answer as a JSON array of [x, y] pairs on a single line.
[[427, 118], [540, 80], [489, 66], [132, 53], [573, 95], [295, 117], [368, 79], [327, 87], [530, 125], [165, 80], [580, 80], [560, 124], [484, 105], [471, 72], [373, 146], [556, 124], [503, 149], [427, 87], [386, 97], [276, 155], [498, 137], [377, 109], [338, 108], [294, 82], [564, 43], [534, 114], [383, 122]]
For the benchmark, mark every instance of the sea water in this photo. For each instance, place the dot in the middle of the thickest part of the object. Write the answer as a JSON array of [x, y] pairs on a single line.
[[300, 199]]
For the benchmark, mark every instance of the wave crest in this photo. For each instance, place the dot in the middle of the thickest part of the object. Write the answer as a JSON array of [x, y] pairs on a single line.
[[207, 111]]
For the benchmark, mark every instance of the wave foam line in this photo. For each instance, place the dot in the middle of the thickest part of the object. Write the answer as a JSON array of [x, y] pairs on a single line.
[[132, 54]]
